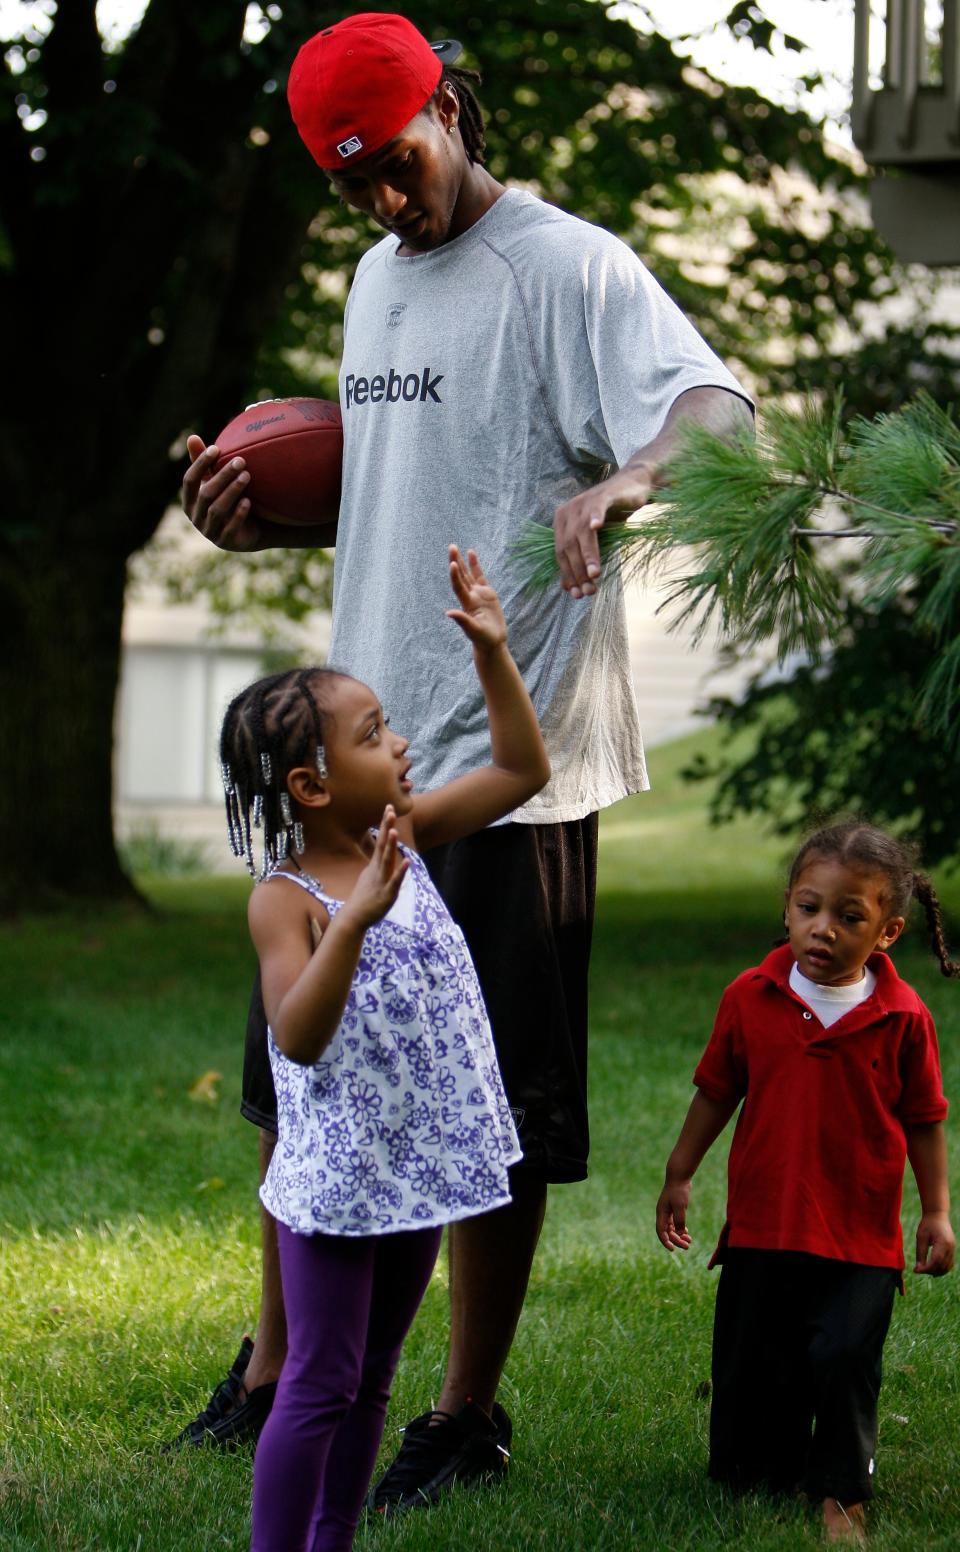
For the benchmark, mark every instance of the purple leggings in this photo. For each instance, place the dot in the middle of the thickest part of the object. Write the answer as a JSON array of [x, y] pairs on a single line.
[[350, 1302]]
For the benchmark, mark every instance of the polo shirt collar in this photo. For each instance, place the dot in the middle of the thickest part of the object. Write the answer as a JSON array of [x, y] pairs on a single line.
[[892, 994]]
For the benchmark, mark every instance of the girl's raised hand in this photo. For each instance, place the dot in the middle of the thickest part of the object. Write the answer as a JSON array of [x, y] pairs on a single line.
[[379, 884], [480, 616]]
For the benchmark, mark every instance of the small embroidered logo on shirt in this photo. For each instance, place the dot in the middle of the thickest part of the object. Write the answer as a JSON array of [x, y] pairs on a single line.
[[348, 147], [395, 314]]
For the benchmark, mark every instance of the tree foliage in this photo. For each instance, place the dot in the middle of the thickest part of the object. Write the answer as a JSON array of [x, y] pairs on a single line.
[[843, 736], [870, 721]]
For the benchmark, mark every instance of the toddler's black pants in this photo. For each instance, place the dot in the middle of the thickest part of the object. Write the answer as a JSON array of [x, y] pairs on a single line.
[[797, 1349]]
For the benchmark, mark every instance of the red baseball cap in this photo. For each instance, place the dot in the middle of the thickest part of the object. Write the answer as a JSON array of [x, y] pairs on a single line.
[[355, 85]]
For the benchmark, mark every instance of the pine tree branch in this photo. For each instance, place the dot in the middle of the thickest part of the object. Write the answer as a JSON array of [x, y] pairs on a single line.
[[739, 509], [939, 525], [832, 533]]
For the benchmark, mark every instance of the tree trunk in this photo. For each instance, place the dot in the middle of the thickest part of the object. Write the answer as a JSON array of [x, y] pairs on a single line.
[[61, 611]]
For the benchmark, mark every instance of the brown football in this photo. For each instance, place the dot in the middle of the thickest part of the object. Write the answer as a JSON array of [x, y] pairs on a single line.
[[293, 450]]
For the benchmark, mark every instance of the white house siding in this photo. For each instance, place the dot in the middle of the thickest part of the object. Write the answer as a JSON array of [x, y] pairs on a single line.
[[672, 676]]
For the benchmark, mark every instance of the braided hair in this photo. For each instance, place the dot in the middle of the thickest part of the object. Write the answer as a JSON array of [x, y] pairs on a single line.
[[471, 115], [865, 846], [268, 729]]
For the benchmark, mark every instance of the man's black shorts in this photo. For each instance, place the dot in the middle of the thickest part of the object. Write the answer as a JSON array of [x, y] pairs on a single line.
[[523, 896]]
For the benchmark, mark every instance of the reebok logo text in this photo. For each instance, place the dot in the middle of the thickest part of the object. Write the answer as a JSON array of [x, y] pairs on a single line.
[[388, 390]]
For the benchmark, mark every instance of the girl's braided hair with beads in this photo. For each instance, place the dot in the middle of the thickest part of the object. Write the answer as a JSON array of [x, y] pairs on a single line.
[[471, 115], [268, 729], [864, 846]]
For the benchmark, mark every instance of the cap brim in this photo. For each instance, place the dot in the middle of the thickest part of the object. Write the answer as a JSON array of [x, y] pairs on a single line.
[[447, 50]]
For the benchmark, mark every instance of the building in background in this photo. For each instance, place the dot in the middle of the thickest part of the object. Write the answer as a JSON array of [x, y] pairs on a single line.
[[906, 121]]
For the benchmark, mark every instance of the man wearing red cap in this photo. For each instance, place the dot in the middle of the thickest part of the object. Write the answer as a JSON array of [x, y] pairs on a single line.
[[502, 361]]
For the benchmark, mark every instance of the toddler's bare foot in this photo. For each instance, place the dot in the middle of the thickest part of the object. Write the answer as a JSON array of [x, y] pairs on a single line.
[[844, 1522]]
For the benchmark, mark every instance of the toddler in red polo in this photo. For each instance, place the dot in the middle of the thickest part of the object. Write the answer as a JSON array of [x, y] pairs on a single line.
[[835, 1060]]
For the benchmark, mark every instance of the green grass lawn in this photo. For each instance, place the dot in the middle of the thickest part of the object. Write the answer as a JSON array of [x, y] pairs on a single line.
[[129, 1235]]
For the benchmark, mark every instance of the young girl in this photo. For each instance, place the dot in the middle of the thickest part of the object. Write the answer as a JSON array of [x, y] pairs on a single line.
[[835, 1059], [391, 1112]]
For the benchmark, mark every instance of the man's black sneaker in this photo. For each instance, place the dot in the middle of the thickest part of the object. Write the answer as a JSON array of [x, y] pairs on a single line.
[[227, 1421], [438, 1450]]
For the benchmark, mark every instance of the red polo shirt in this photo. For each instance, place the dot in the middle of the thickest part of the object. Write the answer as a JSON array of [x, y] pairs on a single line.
[[818, 1154]]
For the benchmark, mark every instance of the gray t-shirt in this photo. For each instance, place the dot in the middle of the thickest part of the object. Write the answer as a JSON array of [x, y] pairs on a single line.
[[483, 384]]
